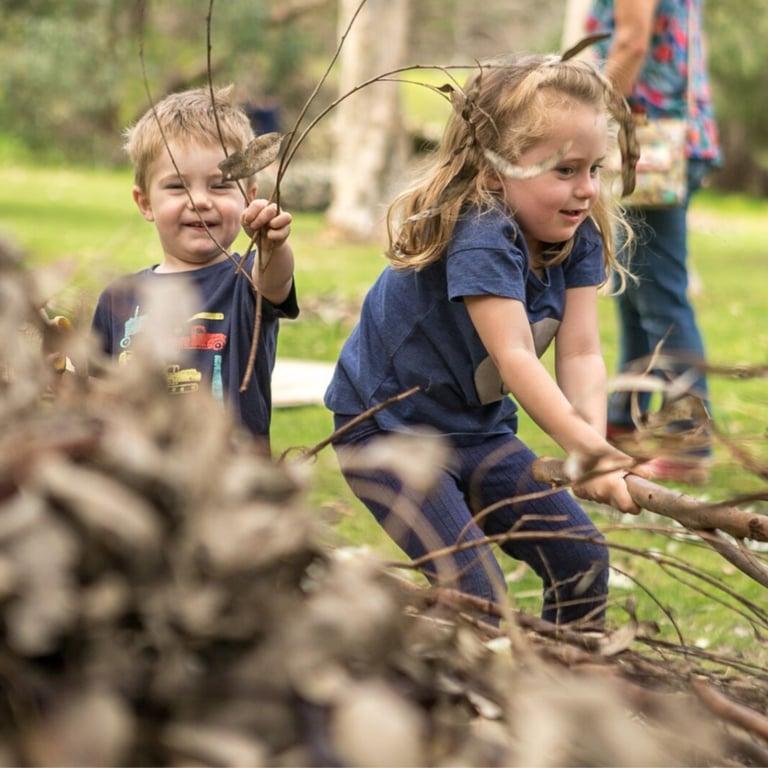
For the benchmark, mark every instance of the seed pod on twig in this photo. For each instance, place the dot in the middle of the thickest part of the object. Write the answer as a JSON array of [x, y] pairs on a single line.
[[260, 152]]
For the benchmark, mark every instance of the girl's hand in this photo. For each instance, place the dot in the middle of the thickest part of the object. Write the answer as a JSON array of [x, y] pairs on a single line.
[[610, 487], [261, 213]]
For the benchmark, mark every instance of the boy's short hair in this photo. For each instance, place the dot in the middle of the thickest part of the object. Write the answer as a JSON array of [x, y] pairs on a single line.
[[186, 116]]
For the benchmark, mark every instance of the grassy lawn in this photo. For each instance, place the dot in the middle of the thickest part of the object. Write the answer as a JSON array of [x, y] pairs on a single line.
[[83, 223]]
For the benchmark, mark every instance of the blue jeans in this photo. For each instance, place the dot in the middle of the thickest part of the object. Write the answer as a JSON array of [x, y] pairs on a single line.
[[657, 305], [479, 476]]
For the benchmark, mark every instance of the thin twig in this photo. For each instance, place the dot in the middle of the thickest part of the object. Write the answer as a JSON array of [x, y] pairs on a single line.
[[353, 423], [753, 670], [209, 69], [655, 557], [308, 103], [653, 597], [167, 145], [256, 319]]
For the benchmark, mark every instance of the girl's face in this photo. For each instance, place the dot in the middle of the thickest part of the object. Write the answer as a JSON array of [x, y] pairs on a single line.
[[550, 207]]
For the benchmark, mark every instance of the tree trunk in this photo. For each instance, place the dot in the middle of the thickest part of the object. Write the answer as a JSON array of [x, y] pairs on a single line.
[[574, 24], [370, 142]]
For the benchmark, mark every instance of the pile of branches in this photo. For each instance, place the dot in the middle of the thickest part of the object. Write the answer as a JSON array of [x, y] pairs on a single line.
[[167, 597]]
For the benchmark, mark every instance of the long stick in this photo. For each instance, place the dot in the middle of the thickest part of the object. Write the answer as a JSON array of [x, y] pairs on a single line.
[[687, 510], [696, 515]]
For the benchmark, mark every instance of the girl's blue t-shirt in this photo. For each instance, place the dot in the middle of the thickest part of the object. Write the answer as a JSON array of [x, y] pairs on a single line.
[[414, 329]]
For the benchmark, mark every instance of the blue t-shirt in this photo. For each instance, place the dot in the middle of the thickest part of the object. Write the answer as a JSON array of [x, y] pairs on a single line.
[[415, 329], [213, 344]]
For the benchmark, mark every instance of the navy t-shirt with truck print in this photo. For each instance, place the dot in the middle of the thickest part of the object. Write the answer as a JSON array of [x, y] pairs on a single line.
[[415, 330], [214, 343]]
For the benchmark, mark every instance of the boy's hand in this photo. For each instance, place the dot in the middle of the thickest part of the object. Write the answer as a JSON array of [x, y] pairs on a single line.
[[56, 332], [261, 213]]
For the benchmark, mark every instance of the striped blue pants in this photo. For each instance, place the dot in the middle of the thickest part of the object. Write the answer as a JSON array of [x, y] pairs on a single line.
[[552, 533]]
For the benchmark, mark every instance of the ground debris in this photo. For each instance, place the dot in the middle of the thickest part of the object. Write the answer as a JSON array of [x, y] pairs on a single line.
[[168, 597]]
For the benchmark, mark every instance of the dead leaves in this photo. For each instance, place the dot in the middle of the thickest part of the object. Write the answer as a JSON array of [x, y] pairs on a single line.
[[166, 598], [260, 153]]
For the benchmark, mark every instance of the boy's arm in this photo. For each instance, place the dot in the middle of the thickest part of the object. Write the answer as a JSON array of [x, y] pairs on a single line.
[[502, 325], [276, 278]]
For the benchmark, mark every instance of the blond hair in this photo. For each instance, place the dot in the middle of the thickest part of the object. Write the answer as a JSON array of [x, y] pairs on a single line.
[[504, 109], [187, 116]]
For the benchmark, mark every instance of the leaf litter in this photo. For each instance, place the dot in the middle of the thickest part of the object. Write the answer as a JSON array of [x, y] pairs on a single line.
[[168, 596]]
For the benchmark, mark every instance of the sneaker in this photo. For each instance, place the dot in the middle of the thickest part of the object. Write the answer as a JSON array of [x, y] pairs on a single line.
[[688, 471], [688, 462]]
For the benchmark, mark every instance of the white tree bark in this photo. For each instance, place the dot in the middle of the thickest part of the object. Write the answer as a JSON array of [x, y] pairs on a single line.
[[574, 25], [370, 143]]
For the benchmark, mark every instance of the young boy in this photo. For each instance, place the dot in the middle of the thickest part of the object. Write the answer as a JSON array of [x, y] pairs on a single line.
[[193, 226]]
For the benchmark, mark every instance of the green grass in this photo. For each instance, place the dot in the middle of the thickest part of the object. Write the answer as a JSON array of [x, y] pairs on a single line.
[[84, 223]]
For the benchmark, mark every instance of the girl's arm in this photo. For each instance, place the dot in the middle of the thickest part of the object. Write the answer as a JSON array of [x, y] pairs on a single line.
[[579, 363], [277, 256], [502, 325]]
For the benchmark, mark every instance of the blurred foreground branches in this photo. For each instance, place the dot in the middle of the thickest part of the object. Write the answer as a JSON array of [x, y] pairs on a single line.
[[167, 597]]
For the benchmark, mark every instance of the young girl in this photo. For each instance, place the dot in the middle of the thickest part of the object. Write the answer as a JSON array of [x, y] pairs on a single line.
[[486, 270]]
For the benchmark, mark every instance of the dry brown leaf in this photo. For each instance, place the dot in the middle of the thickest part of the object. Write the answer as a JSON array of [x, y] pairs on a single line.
[[620, 640], [416, 458], [121, 518], [86, 728], [203, 744], [261, 152], [374, 726]]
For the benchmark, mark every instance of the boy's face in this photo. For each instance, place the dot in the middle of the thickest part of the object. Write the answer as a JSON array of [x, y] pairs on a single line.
[[185, 242]]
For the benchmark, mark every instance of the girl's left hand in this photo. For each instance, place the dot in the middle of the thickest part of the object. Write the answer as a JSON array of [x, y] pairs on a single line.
[[261, 213], [610, 487]]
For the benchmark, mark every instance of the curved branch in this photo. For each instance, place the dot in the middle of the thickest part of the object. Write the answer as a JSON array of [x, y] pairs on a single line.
[[686, 510], [148, 91], [746, 718], [209, 71]]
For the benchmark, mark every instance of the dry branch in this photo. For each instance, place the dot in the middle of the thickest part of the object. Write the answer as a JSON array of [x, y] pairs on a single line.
[[701, 517], [753, 722], [686, 510]]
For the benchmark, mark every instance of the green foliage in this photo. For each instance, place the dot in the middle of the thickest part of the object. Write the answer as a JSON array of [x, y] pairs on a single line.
[[70, 79], [738, 64], [47, 59], [71, 76]]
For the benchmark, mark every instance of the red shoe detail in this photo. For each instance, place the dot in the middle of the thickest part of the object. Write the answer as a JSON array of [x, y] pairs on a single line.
[[694, 472]]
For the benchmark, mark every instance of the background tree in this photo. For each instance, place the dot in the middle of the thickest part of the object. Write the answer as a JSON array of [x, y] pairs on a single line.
[[738, 63], [370, 143], [70, 79]]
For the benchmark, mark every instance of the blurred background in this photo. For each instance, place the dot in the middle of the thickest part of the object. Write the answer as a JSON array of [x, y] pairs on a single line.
[[70, 79]]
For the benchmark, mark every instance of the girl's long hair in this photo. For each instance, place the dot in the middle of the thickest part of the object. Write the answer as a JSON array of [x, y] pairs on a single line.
[[503, 110]]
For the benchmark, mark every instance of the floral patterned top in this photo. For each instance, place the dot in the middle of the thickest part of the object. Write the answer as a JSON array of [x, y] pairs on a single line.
[[662, 87]]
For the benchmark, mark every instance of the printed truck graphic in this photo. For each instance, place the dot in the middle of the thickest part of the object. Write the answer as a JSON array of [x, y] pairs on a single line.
[[199, 338], [132, 326], [182, 380]]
